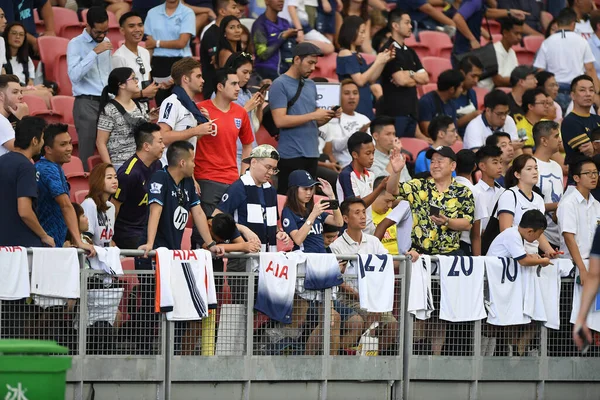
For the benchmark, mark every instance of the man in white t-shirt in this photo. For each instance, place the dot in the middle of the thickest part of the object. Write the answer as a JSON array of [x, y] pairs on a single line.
[[178, 116], [134, 56], [12, 109], [338, 130], [582, 9], [567, 55], [579, 215], [512, 34], [547, 139], [494, 118]]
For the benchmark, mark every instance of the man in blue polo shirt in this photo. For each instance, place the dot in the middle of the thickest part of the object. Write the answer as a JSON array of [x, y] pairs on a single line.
[[441, 101]]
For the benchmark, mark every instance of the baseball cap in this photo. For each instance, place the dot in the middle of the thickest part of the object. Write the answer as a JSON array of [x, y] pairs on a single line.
[[301, 178], [443, 151], [307, 49], [262, 151]]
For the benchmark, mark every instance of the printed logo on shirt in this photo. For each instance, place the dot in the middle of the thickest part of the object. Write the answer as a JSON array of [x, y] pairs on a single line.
[[155, 187], [238, 122], [168, 109], [180, 218], [225, 197], [286, 222]]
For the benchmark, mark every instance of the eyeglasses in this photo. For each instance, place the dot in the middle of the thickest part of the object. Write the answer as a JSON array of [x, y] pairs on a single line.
[[99, 33], [133, 78], [140, 62], [590, 173], [270, 169], [17, 34], [501, 114], [544, 103]]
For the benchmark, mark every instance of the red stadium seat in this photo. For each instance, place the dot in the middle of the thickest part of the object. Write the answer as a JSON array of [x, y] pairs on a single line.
[[263, 137], [64, 105], [369, 58], [50, 48], [50, 116], [439, 43], [34, 103], [533, 43], [504, 89], [481, 92], [458, 146], [93, 161], [413, 145], [66, 22], [326, 66], [494, 26], [186, 241], [112, 18], [496, 37], [74, 140], [428, 88], [80, 195], [435, 66], [524, 56], [77, 183], [62, 76], [75, 166]]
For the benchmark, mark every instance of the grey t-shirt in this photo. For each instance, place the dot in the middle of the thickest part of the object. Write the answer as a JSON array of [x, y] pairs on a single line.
[[380, 162], [121, 144], [303, 140]]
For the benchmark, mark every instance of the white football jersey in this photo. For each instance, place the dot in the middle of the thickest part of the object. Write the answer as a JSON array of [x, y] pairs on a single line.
[[375, 275], [505, 285], [276, 285], [461, 282]]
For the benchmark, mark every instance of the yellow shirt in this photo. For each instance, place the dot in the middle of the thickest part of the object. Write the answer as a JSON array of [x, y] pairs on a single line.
[[525, 129], [389, 239]]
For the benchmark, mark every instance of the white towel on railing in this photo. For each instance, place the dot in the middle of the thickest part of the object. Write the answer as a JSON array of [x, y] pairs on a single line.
[[276, 285], [461, 283], [108, 259], [505, 283], [55, 272], [375, 274], [14, 270], [593, 318], [185, 285], [420, 299]]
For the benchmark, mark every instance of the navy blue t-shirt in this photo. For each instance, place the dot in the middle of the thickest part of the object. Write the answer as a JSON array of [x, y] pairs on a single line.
[[314, 240], [22, 11], [176, 202], [431, 105], [472, 11], [16, 180]]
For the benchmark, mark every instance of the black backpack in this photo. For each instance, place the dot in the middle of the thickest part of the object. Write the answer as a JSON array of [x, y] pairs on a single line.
[[493, 228], [268, 121]]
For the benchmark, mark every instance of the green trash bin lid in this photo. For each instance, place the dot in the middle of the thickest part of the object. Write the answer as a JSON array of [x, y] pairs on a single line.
[[16, 346]]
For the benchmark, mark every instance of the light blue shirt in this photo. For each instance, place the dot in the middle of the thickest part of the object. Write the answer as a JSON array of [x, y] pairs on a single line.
[[88, 71], [594, 43], [163, 27]]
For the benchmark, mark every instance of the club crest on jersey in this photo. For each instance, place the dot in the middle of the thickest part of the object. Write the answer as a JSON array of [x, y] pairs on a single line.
[[238, 122], [167, 112], [286, 222], [155, 187], [180, 217]]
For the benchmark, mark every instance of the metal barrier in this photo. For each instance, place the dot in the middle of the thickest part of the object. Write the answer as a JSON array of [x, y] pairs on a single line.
[[115, 337]]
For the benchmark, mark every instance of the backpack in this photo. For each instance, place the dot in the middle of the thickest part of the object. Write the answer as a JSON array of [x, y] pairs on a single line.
[[493, 228], [133, 122], [268, 121]]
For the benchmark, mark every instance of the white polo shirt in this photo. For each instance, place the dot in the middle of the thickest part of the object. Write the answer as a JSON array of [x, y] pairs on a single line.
[[489, 196], [580, 217], [509, 243], [480, 209], [174, 114], [564, 54], [124, 57], [507, 61], [478, 130]]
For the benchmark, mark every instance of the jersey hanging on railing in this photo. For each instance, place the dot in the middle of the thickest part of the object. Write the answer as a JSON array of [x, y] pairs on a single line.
[[14, 270], [375, 275], [420, 298], [322, 271], [185, 285], [276, 285], [505, 284], [461, 282]]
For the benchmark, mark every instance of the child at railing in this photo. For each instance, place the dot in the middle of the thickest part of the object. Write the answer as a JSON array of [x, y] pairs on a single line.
[[83, 227]]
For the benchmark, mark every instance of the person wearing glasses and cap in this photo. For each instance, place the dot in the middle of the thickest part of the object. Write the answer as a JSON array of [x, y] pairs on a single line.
[[252, 200], [134, 56], [88, 66]]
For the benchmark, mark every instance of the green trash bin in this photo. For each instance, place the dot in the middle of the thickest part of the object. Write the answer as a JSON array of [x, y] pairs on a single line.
[[28, 372]]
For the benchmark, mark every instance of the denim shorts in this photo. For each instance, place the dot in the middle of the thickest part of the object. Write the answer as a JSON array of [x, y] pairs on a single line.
[[325, 22]]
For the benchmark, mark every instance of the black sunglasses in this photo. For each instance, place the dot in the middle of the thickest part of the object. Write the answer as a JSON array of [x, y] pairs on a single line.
[[140, 62]]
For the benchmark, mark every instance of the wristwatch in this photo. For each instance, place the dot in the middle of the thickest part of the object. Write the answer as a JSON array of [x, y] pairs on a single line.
[[411, 73], [211, 244], [308, 222], [158, 44], [447, 222]]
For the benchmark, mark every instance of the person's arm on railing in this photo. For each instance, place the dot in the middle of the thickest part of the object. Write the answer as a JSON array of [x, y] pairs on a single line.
[[153, 220]]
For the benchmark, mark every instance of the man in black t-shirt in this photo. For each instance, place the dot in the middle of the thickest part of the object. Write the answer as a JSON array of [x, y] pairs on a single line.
[[131, 198], [20, 226], [209, 42], [400, 78]]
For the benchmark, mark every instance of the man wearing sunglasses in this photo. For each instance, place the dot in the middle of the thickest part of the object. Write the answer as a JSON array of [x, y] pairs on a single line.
[[89, 64], [134, 56]]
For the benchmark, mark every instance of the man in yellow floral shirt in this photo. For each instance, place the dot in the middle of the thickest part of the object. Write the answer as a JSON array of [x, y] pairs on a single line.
[[441, 207]]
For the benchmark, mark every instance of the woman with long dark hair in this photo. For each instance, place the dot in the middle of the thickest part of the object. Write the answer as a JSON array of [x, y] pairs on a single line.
[[19, 63], [350, 64], [357, 8], [230, 39], [119, 117], [99, 210]]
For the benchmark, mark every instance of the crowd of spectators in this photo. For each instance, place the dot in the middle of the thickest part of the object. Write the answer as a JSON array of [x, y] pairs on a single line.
[[168, 125]]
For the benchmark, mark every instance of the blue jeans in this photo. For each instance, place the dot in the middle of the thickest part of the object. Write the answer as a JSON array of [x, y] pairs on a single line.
[[406, 126], [564, 96]]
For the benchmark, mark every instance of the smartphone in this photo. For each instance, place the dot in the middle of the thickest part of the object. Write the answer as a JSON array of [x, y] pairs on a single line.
[[434, 210], [263, 89], [335, 108], [333, 205], [586, 343]]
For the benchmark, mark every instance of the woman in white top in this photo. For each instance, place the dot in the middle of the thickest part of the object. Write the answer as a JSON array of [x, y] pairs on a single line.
[[119, 117], [520, 179], [20, 64], [97, 207]]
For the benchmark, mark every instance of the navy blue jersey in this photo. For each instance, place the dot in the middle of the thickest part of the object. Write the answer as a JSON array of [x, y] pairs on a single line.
[[176, 202], [314, 240]]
